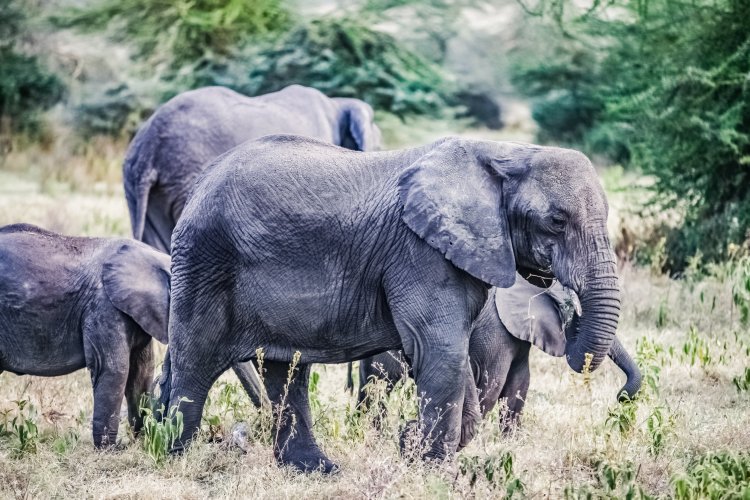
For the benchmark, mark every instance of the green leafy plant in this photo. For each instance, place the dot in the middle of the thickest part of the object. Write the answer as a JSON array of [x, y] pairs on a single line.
[[496, 470], [695, 349], [742, 382], [160, 430], [659, 425], [20, 425], [715, 476], [613, 481]]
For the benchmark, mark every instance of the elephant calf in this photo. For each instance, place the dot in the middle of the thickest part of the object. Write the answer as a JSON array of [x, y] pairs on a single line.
[[73, 302], [511, 321]]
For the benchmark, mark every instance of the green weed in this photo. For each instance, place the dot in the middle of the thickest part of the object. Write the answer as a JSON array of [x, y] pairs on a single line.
[[613, 481], [696, 350], [160, 434], [496, 470], [742, 382], [20, 425], [715, 476]]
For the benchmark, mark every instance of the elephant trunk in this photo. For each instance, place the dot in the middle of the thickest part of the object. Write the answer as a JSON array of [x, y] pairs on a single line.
[[600, 306], [634, 377]]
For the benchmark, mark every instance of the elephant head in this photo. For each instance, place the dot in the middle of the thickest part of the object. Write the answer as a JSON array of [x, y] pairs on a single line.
[[357, 129], [494, 207], [547, 318], [136, 279]]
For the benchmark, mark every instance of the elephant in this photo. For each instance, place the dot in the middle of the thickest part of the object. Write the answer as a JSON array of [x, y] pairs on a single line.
[[314, 253], [510, 322], [175, 144], [72, 302]]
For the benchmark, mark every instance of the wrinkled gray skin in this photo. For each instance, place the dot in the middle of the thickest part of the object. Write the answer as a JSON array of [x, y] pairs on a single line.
[[175, 144], [290, 244], [510, 322], [67, 303]]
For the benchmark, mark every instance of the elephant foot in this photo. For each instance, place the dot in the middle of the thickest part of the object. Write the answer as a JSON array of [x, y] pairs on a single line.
[[308, 461]]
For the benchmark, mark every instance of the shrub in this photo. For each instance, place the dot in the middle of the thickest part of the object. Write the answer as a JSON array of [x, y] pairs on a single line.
[[661, 85], [342, 57], [720, 475], [26, 86]]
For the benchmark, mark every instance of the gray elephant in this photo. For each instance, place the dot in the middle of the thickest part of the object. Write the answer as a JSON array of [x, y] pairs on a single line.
[[175, 144], [510, 322], [71, 302], [68, 302], [293, 245]]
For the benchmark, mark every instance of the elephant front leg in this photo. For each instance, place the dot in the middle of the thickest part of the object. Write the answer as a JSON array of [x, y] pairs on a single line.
[[441, 404], [471, 415], [138, 383], [294, 443], [109, 387]]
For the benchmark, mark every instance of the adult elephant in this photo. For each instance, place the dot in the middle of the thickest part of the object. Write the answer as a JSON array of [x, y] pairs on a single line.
[[293, 245], [175, 144], [512, 320]]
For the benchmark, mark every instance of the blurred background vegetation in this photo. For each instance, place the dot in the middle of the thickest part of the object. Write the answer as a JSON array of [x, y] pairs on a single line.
[[657, 92]]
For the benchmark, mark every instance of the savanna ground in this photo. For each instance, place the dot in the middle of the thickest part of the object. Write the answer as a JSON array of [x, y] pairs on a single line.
[[576, 440]]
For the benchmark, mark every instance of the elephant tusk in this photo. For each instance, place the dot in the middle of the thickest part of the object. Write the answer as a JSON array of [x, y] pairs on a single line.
[[574, 301]]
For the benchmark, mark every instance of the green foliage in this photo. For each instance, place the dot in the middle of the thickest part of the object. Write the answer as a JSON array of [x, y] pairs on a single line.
[[160, 432], [496, 470], [20, 425], [345, 58], [695, 349], [716, 476], [613, 481], [26, 86], [178, 31], [742, 382], [661, 85]]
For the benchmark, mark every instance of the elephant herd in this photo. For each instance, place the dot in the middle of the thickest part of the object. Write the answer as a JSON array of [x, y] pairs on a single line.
[[290, 233]]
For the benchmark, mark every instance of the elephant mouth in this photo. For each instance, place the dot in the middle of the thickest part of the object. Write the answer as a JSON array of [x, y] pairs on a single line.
[[539, 278]]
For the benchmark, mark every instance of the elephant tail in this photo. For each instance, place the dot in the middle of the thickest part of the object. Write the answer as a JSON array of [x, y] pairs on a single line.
[[349, 378], [139, 176], [634, 377]]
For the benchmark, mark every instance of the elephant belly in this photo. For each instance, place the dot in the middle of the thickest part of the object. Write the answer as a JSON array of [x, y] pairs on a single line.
[[40, 345], [327, 322]]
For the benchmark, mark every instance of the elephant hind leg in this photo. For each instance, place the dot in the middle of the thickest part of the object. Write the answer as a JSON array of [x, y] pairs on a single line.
[[294, 443], [139, 380]]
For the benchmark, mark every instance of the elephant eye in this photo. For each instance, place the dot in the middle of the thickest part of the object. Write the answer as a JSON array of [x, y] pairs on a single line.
[[559, 221]]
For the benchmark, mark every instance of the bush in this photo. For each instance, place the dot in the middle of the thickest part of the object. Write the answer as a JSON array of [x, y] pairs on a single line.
[[661, 85], [180, 33], [344, 58], [26, 86]]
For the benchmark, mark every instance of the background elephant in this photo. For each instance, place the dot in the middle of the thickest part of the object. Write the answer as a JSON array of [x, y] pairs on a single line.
[[176, 143], [293, 245], [510, 322], [67, 303]]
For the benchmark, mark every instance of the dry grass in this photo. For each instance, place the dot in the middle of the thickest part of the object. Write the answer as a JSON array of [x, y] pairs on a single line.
[[572, 431]]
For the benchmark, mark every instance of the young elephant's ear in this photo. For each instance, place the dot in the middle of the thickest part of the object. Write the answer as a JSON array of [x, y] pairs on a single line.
[[136, 279], [452, 199], [532, 314]]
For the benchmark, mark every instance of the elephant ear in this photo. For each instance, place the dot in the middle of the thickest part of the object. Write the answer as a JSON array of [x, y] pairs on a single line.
[[533, 314], [452, 199], [358, 132], [136, 279]]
